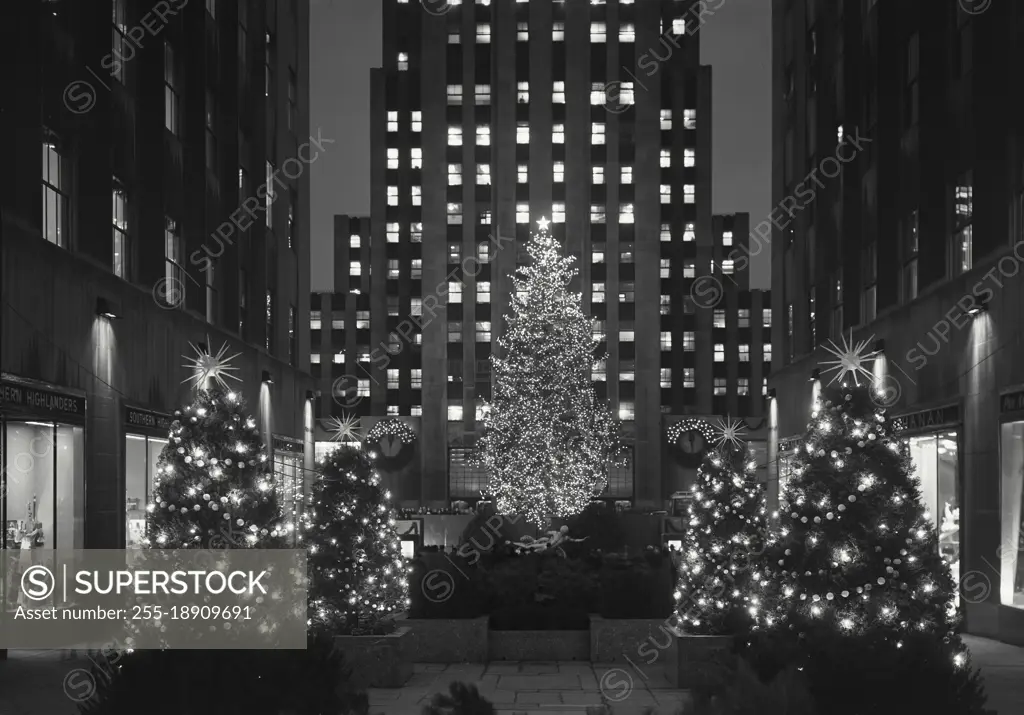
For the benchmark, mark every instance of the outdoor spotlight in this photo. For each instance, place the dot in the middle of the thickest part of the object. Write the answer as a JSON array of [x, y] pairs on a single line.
[[880, 345], [310, 395], [267, 377], [771, 393], [815, 374], [106, 308], [980, 306]]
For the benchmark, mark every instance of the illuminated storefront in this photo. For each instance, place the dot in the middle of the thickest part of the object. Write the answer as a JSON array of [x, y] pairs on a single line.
[[146, 434], [1011, 457], [289, 478]]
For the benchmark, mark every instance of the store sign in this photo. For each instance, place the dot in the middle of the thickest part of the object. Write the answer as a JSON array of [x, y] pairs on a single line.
[[146, 419], [916, 421], [15, 396], [287, 444], [1012, 402]]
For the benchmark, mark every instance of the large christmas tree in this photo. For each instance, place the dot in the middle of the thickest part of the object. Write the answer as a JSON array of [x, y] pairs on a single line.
[[356, 569], [213, 487], [724, 539], [547, 441], [854, 581]]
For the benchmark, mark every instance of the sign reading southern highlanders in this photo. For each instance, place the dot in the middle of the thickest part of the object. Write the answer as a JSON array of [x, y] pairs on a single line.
[[34, 399], [156, 421], [930, 418], [1012, 402]]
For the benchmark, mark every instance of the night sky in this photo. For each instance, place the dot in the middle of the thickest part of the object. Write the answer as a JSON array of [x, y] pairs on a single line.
[[345, 42]]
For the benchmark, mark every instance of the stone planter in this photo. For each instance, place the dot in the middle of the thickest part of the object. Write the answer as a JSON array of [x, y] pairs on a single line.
[[446, 640], [622, 640], [699, 662], [376, 661], [538, 645]]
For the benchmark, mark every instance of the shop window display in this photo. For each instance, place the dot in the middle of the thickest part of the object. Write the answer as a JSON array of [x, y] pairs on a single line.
[[141, 455], [289, 482], [936, 461], [1011, 552]]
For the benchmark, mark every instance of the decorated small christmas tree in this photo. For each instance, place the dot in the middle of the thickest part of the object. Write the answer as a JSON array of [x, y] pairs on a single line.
[[213, 487], [547, 440], [854, 579], [356, 570], [724, 538]]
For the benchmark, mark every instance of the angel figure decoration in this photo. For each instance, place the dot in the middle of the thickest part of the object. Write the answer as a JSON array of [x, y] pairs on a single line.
[[555, 540]]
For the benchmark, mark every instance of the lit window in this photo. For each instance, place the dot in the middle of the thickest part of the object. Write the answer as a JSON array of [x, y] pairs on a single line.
[[597, 293], [416, 157], [689, 232], [766, 349], [416, 268], [665, 306], [627, 32], [743, 318], [666, 232], [315, 320], [454, 413], [483, 33], [720, 386], [558, 32], [679, 26], [689, 119], [354, 241], [455, 94], [719, 318], [597, 257], [689, 377], [392, 196], [355, 268], [522, 213], [766, 317], [598, 32], [689, 157], [743, 386], [559, 172], [719, 352], [522, 31], [454, 253], [728, 266], [417, 195], [598, 94], [454, 213], [403, 61], [392, 158], [483, 253], [558, 93], [455, 331], [393, 268], [417, 121], [485, 218], [626, 95], [689, 271], [482, 95], [416, 232], [628, 335], [666, 118], [415, 306], [627, 175], [315, 358], [483, 292], [666, 268], [744, 353], [454, 291], [666, 377], [598, 174], [626, 411], [688, 193], [522, 173], [727, 238], [626, 292], [483, 136], [558, 134], [522, 92], [454, 38], [666, 340], [627, 371], [597, 133], [558, 213], [666, 158], [522, 133], [483, 174], [454, 174], [392, 232], [689, 341], [597, 214], [392, 121], [626, 216], [483, 331], [666, 194], [392, 379], [454, 136]]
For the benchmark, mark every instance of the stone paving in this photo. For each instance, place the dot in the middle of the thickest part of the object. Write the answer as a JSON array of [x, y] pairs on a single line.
[[541, 688]]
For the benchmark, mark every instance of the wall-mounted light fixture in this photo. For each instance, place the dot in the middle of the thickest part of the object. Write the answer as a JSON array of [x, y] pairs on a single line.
[[311, 395], [267, 378], [815, 374], [107, 309], [980, 306], [880, 345], [771, 393]]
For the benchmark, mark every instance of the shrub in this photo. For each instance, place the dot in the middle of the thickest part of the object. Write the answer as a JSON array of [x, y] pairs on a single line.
[[429, 594], [602, 528], [461, 699], [539, 592], [244, 682], [747, 694], [636, 588]]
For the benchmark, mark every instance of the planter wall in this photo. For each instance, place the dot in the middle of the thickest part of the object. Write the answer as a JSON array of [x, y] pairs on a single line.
[[699, 662], [621, 640], [377, 661], [538, 645], [446, 640]]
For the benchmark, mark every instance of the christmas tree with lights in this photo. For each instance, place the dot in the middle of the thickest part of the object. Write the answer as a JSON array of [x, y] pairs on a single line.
[[213, 488], [547, 440], [356, 569], [724, 538], [853, 580]]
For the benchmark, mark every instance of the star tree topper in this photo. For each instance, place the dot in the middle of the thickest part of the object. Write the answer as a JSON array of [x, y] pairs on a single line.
[[850, 359], [543, 223], [208, 368], [345, 430], [730, 431]]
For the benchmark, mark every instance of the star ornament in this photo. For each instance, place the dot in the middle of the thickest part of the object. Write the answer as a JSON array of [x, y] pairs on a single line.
[[851, 359], [543, 223], [730, 431], [208, 368], [345, 430]]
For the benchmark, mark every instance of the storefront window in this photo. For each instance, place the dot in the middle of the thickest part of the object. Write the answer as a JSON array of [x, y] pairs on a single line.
[[141, 454], [787, 459], [936, 461], [43, 486], [1011, 552], [288, 482]]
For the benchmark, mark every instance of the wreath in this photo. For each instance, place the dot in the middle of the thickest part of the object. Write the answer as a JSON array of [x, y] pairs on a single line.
[[393, 442], [677, 430]]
